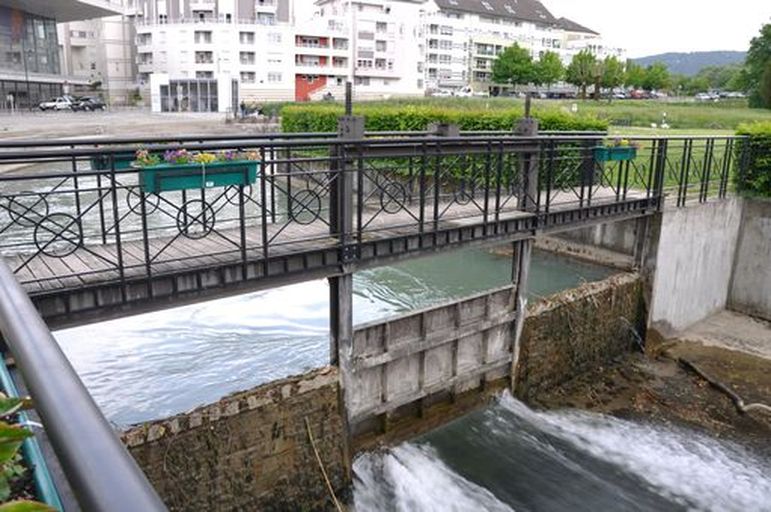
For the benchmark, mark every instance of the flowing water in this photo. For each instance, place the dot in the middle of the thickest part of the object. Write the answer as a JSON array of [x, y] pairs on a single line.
[[508, 457], [157, 364], [505, 457]]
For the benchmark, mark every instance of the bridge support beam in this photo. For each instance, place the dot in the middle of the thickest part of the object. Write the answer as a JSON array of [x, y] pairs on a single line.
[[520, 272]]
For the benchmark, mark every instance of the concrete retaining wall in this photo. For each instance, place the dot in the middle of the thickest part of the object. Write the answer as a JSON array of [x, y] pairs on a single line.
[[578, 330], [251, 450], [693, 265], [751, 284], [619, 237]]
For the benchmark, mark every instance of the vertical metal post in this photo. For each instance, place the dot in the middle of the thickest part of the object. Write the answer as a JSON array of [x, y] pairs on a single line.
[[528, 166], [348, 99], [341, 226]]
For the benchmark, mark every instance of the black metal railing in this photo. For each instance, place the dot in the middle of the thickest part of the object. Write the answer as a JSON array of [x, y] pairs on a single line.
[[74, 215], [102, 474]]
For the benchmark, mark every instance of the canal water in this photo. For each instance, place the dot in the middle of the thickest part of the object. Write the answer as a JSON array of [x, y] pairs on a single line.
[[157, 364], [504, 457]]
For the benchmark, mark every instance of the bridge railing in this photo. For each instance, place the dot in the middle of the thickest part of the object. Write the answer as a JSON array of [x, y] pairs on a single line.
[[70, 216], [102, 474]]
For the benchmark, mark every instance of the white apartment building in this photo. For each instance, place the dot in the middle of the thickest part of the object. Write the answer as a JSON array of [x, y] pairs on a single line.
[[209, 55], [464, 37], [102, 52]]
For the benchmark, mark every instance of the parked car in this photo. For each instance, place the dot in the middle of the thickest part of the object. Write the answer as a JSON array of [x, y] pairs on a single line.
[[441, 93], [60, 103], [89, 103], [706, 96], [464, 92], [619, 96]]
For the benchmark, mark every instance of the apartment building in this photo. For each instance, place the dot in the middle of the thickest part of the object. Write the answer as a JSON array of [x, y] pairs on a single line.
[[102, 52], [30, 63], [209, 55], [464, 37]]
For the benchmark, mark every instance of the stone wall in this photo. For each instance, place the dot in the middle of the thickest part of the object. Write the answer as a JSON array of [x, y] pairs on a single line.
[[578, 330], [250, 450], [693, 264], [751, 284], [618, 237]]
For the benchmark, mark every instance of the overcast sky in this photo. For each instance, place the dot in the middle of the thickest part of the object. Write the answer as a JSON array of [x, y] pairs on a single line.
[[647, 27]]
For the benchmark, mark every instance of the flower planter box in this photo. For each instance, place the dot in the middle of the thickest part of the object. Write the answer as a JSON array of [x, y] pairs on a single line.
[[614, 154], [122, 161], [168, 177]]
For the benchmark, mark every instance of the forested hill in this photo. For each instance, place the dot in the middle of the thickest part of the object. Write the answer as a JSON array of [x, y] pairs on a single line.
[[691, 63]]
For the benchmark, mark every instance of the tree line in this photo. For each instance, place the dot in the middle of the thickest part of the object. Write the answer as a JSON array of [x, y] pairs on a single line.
[[516, 66]]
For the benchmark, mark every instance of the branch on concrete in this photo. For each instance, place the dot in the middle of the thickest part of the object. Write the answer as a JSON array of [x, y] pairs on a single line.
[[737, 400]]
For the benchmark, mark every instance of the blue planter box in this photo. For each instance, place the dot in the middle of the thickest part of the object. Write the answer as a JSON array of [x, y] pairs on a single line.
[[614, 154], [168, 177], [102, 162]]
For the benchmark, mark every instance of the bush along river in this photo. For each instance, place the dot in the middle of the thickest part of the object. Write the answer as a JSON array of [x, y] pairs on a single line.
[[503, 457]]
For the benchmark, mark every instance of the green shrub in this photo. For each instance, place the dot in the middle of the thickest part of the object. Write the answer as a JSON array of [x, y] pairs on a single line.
[[755, 178], [406, 117]]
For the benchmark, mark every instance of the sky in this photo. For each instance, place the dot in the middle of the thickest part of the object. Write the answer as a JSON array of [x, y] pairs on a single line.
[[649, 27]]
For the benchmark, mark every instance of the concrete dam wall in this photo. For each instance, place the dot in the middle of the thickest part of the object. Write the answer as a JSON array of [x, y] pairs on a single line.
[[252, 450]]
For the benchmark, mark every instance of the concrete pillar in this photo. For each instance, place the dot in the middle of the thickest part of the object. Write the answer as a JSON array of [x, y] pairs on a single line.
[[520, 271]]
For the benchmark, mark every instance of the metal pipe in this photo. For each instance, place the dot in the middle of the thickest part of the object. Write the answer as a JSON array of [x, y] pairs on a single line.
[[99, 469]]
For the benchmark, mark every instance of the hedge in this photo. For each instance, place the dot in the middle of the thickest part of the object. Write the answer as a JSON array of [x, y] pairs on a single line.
[[323, 118], [755, 179]]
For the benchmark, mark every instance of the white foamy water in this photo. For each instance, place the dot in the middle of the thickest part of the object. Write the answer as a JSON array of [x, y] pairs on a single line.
[[509, 457]]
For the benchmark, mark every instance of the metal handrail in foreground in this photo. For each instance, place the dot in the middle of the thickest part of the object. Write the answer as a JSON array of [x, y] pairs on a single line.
[[98, 467]]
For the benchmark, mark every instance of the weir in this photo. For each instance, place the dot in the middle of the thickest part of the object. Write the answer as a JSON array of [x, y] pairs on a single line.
[[328, 207]]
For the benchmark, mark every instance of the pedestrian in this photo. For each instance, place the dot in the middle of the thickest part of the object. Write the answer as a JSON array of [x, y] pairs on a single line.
[[9, 101], [242, 106]]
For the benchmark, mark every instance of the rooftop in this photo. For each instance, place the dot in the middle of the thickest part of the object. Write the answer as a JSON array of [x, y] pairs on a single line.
[[572, 26], [525, 10], [65, 10]]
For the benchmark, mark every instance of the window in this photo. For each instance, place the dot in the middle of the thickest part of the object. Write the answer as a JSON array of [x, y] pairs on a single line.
[[366, 36], [380, 46], [246, 57], [381, 26], [380, 63], [144, 38], [274, 77], [203, 36], [143, 58], [247, 77], [162, 18], [204, 74], [445, 44], [445, 30], [264, 18], [246, 37], [444, 59], [204, 57], [364, 63], [340, 44], [274, 37], [362, 80]]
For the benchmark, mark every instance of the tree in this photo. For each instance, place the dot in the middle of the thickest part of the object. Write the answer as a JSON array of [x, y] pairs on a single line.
[[581, 71], [656, 77], [764, 90], [514, 66], [635, 75], [612, 73], [755, 66], [549, 69]]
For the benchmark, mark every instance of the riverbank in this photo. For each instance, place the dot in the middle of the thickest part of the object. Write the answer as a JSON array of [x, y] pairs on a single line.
[[657, 388]]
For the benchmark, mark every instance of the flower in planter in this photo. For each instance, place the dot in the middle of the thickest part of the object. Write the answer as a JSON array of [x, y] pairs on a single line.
[[177, 156], [204, 158], [618, 142], [145, 158], [228, 155]]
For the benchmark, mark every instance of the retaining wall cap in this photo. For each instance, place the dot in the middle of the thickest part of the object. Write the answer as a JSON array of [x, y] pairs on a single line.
[[583, 291]]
